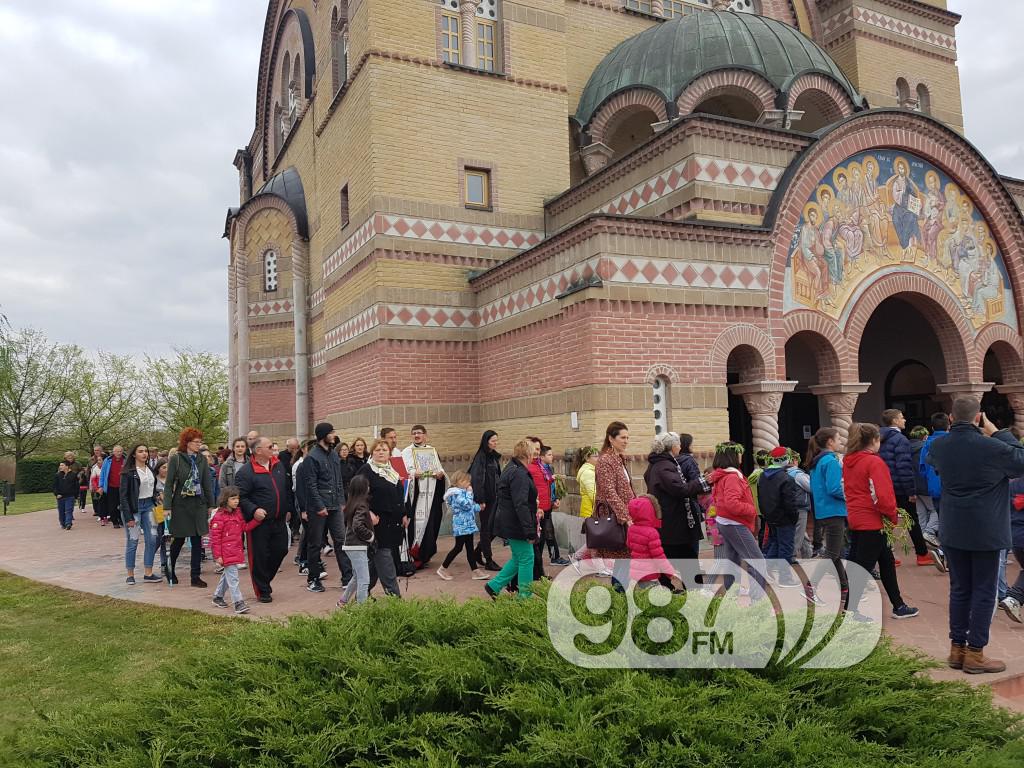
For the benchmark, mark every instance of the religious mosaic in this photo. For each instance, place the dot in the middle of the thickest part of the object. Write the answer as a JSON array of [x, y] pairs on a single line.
[[885, 211]]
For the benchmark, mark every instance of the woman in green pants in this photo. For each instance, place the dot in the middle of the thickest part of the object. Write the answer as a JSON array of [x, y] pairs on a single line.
[[516, 519]]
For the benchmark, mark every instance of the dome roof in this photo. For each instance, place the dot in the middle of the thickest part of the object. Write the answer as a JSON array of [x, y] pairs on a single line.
[[668, 56]]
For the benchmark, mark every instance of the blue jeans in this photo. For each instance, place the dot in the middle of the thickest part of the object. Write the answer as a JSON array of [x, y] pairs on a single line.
[[66, 510], [229, 583], [972, 594], [359, 581], [1001, 585], [146, 529], [780, 543]]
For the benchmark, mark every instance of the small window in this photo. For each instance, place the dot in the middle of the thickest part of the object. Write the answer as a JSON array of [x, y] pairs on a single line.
[[644, 6], [660, 391], [485, 45], [450, 48], [344, 206], [673, 8], [903, 94], [478, 188], [924, 99], [270, 271]]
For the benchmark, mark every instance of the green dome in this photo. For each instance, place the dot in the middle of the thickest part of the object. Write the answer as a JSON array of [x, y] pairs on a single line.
[[668, 56]]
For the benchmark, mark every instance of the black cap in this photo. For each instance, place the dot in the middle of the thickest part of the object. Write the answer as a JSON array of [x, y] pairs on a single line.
[[323, 429]]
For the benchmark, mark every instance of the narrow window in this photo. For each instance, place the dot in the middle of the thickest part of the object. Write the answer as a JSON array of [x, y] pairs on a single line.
[[485, 45], [478, 188], [643, 6], [660, 391], [903, 94], [924, 99], [450, 49], [270, 271], [344, 206]]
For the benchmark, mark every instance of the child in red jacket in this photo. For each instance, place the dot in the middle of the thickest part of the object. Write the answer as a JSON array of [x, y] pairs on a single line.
[[227, 531], [735, 515], [648, 559], [870, 497]]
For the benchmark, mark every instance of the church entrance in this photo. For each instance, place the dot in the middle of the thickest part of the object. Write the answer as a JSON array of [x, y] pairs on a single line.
[[910, 387]]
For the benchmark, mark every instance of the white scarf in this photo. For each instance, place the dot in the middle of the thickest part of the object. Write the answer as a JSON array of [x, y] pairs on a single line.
[[386, 471]]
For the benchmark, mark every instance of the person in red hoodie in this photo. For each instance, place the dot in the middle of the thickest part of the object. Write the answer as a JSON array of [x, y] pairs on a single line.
[[227, 529], [735, 514], [870, 497], [648, 558]]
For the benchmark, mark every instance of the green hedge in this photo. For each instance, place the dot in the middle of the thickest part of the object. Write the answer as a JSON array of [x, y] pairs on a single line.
[[35, 475], [432, 684]]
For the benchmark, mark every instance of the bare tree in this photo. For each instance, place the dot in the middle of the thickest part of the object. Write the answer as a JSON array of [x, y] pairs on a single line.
[[104, 406], [189, 390], [35, 383]]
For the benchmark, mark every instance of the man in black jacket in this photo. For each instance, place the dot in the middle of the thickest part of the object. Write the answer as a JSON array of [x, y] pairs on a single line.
[[288, 457], [324, 496], [975, 463], [263, 485]]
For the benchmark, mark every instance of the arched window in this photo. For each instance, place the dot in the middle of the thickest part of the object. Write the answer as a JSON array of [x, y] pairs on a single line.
[[903, 100], [270, 271], [660, 388], [924, 99]]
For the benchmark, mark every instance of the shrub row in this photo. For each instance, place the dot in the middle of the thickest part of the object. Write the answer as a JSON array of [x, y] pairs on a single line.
[[35, 474]]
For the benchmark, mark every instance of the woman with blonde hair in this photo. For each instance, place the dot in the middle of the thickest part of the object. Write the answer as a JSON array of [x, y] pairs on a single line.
[[516, 520]]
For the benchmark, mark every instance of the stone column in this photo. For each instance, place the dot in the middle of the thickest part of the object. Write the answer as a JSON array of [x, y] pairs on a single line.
[[232, 355], [595, 157], [300, 317], [467, 20], [242, 323], [1015, 394], [976, 389], [840, 401], [763, 399]]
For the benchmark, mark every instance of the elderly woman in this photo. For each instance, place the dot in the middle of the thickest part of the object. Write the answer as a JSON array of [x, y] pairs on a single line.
[[615, 491], [188, 500], [681, 514], [387, 502], [515, 519]]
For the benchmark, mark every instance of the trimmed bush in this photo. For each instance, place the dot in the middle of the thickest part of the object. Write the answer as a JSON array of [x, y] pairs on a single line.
[[35, 474], [426, 683]]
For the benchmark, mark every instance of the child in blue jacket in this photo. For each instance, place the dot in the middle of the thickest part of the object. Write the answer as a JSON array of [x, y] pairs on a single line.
[[464, 510]]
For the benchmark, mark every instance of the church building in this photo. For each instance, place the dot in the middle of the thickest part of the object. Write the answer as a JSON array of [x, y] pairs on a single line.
[[744, 218]]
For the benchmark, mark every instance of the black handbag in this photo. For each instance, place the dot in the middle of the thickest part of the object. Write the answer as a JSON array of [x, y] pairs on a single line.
[[603, 530]]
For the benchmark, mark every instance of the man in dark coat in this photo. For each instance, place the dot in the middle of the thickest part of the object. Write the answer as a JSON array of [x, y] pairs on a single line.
[[291, 453], [324, 495], [975, 462], [263, 484], [898, 455]]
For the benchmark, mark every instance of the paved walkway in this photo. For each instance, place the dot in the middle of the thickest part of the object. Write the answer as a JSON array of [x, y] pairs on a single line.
[[90, 558]]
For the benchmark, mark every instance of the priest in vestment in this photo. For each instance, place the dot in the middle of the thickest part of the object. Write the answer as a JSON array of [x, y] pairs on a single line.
[[425, 501]]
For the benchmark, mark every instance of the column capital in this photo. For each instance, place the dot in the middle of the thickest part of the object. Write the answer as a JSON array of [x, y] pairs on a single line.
[[595, 157], [758, 387], [856, 387], [1013, 388], [963, 388]]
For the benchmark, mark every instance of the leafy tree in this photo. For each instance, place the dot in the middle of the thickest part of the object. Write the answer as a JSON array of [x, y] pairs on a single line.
[[103, 406], [36, 380], [189, 390]]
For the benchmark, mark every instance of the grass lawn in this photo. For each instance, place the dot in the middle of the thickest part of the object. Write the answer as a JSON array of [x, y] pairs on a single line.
[[31, 502], [68, 649]]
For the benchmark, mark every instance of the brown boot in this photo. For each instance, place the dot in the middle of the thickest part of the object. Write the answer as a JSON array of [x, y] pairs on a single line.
[[956, 655], [975, 662]]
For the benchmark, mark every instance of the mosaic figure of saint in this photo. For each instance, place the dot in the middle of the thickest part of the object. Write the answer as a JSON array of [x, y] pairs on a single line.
[[905, 207]]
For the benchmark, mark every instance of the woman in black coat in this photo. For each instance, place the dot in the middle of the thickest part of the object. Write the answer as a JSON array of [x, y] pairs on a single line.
[[484, 472], [681, 514], [387, 501], [516, 519]]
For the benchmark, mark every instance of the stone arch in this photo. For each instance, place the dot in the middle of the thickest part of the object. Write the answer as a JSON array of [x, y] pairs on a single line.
[[1006, 344], [823, 95], [896, 129], [748, 86], [666, 371], [826, 340], [622, 105], [756, 357], [938, 307]]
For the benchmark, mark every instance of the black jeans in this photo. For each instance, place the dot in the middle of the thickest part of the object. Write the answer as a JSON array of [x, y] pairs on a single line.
[[268, 544], [973, 580], [465, 541], [684, 551], [916, 534], [112, 505], [317, 529], [483, 549], [1017, 590], [196, 544], [833, 533], [870, 548]]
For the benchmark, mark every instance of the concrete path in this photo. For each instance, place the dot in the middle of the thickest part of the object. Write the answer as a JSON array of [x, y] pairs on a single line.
[[90, 558]]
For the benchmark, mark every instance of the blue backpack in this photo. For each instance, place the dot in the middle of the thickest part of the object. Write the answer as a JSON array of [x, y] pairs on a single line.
[[927, 471]]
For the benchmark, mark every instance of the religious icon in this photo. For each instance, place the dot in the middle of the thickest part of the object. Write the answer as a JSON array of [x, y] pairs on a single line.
[[425, 461]]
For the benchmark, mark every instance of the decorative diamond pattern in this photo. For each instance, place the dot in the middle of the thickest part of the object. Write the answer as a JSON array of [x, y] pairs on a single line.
[[686, 274], [351, 328], [457, 232], [350, 246], [265, 308], [272, 365], [834, 26], [736, 174]]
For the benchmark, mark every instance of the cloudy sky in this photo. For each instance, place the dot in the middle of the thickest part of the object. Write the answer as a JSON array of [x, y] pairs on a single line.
[[120, 121]]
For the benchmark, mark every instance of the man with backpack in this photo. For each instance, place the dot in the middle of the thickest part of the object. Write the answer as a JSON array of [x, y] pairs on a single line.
[[928, 504], [898, 456]]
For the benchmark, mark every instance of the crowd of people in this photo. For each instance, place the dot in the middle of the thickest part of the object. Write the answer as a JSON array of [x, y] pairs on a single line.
[[379, 509]]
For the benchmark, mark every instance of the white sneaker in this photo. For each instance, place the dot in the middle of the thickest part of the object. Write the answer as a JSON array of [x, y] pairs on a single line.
[[1011, 607], [574, 561], [327, 550], [480, 574], [443, 573]]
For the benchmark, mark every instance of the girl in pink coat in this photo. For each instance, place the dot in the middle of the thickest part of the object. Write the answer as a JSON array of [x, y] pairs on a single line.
[[648, 558], [227, 531]]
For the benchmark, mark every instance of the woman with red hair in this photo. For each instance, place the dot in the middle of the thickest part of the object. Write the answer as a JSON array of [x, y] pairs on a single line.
[[188, 500]]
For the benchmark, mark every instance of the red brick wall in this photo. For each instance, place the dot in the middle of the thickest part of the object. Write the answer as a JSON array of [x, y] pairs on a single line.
[[271, 402]]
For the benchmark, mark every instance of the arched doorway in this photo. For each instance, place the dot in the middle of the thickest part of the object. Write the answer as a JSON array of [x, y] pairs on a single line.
[[995, 404], [810, 360], [745, 365], [910, 387]]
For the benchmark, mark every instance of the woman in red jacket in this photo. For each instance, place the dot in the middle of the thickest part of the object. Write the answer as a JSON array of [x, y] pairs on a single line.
[[869, 498], [735, 514]]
